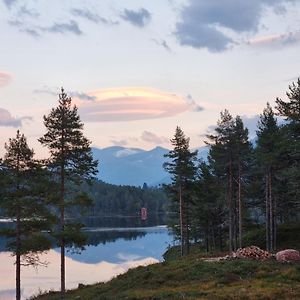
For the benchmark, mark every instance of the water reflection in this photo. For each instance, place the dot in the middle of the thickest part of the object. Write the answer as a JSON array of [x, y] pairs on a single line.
[[124, 221], [124, 245], [97, 236], [47, 278], [110, 250]]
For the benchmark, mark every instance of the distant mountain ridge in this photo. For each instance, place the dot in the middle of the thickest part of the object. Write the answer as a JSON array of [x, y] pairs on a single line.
[[134, 166]]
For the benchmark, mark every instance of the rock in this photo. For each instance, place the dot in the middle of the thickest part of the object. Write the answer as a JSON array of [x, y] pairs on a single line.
[[288, 255]]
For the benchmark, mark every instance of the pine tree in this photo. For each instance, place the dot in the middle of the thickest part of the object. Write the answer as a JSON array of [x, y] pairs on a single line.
[[71, 161], [267, 157], [241, 152], [23, 199], [228, 157], [182, 169], [290, 110], [208, 209], [221, 160]]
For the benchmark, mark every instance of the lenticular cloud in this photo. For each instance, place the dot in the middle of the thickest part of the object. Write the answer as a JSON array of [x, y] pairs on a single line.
[[129, 104]]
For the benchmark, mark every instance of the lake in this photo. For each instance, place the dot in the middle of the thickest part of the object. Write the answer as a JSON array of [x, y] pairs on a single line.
[[113, 246]]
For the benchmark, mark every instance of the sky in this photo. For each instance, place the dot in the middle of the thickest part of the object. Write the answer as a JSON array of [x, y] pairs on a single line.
[[136, 69]]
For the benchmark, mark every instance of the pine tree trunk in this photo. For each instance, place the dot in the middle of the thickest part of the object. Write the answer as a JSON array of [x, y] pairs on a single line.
[[230, 205], [271, 213], [234, 225], [275, 223], [181, 221], [267, 211], [18, 236], [207, 237], [213, 239], [187, 235], [62, 228], [240, 207], [18, 256], [62, 224], [220, 239], [62, 211]]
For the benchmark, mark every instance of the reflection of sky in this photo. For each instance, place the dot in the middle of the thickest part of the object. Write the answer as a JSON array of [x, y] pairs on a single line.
[[96, 263], [150, 245]]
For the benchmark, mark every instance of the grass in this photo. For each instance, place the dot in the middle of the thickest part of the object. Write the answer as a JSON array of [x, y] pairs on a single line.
[[193, 278]]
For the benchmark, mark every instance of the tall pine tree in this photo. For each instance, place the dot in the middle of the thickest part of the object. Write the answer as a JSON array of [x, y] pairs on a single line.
[[228, 157], [266, 155], [242, 151], [208, 209], [24, 192], [290, 110], [71, 162], [221, 161], [182, 169]]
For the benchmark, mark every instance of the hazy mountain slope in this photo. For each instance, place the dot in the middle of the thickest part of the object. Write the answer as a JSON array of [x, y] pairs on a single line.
[[132, 166]]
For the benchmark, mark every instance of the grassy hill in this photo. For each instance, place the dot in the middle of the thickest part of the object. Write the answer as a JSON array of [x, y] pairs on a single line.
[[193, 278]]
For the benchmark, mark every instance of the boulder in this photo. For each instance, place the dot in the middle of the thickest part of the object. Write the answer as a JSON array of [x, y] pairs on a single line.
[[288, 255]]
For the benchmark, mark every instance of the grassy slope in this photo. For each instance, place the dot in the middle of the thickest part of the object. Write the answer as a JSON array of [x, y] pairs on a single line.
[[192, 278]]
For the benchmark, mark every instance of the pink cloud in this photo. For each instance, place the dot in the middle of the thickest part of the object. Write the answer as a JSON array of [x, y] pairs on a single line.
[[5, 79], [153, 138], [130, 103], [288, 38]]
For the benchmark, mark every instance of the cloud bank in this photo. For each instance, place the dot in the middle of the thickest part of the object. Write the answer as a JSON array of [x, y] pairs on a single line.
[[55, 28], [139, 18], [9, 3], [73, 94], [276, 40], [129, 104], [7, 120], [153, 138], [206, 24], [70, 27], [91, 16], [146, 136]]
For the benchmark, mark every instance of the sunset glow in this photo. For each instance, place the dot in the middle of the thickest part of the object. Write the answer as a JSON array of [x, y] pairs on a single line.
[[128, 104], [139, 66]]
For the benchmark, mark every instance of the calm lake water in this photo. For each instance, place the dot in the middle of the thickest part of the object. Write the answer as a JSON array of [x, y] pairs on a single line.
[[114, 245]]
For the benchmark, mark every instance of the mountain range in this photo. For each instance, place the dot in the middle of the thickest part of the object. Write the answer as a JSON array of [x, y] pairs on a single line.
[[132, 166]]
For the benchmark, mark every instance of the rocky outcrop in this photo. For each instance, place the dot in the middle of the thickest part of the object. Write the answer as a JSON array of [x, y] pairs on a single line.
[[288, 255]]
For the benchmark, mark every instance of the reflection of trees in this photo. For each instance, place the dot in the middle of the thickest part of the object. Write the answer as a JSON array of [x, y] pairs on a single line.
[[2, 244], [95, 238], [103, 237], [124, 222], [3, 240]]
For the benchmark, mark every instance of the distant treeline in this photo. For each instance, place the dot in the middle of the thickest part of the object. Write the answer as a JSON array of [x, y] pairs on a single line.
[[109, 199]]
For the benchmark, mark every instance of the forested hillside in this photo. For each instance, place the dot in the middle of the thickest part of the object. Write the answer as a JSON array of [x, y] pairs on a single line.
[[111, 199]]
